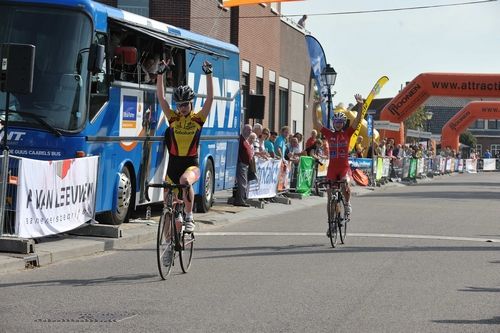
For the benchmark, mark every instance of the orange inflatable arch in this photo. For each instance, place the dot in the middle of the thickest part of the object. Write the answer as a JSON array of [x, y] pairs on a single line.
[[461, 121], [436, 84]]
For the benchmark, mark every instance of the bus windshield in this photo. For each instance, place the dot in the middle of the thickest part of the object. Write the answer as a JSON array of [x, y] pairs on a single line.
[[60, 79]]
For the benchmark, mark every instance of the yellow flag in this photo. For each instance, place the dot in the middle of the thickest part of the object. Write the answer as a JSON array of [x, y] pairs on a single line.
[[233, 3], [374, 92]]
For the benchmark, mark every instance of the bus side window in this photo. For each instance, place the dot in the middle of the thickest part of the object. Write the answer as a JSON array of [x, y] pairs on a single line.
[[99, 87]]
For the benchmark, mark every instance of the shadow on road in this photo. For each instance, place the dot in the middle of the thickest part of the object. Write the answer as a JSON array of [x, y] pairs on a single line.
[[481, 290], [325, 248], [110, 280], [459, 195], [478, 184], [491, 321]]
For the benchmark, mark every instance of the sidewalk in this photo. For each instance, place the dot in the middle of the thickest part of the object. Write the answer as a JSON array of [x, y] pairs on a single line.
[[62, 247]]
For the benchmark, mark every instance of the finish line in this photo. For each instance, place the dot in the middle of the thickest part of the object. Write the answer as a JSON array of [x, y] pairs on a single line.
[[252, 233]]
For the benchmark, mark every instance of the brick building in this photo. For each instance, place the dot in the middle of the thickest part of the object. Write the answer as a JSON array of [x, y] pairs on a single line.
[[274, 58]]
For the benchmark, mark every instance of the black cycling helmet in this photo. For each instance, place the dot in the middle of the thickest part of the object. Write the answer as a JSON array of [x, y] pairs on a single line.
[[183, 94]]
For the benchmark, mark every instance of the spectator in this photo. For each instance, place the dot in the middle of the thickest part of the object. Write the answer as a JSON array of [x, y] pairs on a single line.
[[293, 151], [382, 147], [258, 144], [268, 144], [280, 143], [487, 154], [245, 154], [312, 139], [358, 147], [302, 22], [389, 151], [315, 150], [149, 68], [300, 138], [396, 151]]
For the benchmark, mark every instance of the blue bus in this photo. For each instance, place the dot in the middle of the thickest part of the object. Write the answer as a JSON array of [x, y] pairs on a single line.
[[111, 111]]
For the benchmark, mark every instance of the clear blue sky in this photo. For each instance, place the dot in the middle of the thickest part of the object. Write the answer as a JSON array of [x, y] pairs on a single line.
[[401, 44]]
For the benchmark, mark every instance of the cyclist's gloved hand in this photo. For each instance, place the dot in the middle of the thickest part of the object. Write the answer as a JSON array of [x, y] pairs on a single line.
[[207, 68], [164, 67]]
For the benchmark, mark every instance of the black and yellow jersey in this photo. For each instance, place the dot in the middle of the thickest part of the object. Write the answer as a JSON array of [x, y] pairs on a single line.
[[183, 134]]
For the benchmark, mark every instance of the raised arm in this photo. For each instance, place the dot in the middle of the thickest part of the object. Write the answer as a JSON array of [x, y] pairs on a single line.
[[316, 122], [207, 69], [359, 116], [160, 89]]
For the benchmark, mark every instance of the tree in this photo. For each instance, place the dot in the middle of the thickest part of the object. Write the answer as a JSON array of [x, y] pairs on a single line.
[[416, 120], [468, 139]]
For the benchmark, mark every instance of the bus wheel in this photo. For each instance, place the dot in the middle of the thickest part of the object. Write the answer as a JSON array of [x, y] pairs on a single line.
[[205, 199], [121, 211]]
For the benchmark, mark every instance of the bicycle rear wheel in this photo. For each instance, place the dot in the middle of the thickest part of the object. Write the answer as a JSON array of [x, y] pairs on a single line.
[[186, 253], [165, 253], [332, 225]]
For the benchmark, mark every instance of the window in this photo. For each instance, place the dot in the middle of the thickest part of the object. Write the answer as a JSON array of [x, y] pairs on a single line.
[[99, 83], [283, 121], [272, 106], [139, 7], [135, 56], [259, 86], [479, 150], [495, 149], [478, 124], [245, 91], [493, 124]]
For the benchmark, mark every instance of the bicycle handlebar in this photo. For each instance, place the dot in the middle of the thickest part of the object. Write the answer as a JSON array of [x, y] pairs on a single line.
[[167, 186], [332, 182]]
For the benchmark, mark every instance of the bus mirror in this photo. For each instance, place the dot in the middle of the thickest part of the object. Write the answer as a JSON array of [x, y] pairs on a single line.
[[96, 58]]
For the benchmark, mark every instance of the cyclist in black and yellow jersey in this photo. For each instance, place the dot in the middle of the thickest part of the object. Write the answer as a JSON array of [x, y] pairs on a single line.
[[182, 137]]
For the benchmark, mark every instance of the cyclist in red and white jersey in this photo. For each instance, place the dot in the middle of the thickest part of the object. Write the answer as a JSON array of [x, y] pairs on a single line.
[[338, 140]]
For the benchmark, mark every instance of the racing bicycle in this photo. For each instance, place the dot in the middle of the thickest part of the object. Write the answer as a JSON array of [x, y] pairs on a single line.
[[336, 211], [172, 239]]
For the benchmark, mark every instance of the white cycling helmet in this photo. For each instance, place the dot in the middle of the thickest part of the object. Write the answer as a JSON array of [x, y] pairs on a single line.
[[339, 116]]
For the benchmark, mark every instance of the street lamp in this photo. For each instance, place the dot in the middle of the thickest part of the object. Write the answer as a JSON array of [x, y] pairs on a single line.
[[328, 77], [428, 117]]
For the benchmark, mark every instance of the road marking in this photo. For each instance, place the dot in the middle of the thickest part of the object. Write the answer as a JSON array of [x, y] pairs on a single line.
[[253, 233]]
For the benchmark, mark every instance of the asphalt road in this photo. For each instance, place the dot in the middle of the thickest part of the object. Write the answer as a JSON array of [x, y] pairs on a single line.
[[417, 259]]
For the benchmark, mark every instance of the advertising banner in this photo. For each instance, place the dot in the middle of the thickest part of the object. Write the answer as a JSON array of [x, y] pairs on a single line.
[[284, 175], [386, 167], [305, 175], [361, 163], [413, 168], [323, 167], [489, 164], [58, 197], [267, 179], [379, 168], [318, 64]]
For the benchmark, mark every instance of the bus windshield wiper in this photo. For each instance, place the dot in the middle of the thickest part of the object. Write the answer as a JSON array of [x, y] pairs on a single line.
[[39, 120]]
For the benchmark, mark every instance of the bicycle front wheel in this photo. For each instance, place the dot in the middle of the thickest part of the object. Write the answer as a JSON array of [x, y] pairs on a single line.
[[341, 221], [164, 246], [332, 225], [186, 253]]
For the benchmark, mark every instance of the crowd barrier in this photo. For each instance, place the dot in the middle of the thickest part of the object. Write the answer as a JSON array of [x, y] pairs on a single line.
[[59, 197], [276, 176]]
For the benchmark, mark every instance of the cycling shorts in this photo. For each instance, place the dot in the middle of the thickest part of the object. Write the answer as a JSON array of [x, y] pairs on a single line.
[[177, 165], [339, 174]]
